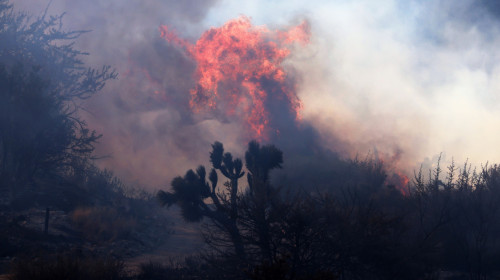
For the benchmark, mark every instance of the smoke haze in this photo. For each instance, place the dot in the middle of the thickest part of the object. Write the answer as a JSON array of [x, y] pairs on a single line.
[[403, 80]]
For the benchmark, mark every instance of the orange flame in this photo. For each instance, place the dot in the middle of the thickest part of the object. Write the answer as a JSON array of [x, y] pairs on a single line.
[[396, 175], [401, 181], [239, 67]]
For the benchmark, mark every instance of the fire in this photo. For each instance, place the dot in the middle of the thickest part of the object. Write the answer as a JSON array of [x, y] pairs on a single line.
[[239, 69], [395, 174], [400, 180]]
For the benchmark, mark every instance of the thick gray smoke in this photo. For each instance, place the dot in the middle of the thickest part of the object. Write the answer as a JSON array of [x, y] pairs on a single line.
[[406, 80], [402, 80], [147, 133]]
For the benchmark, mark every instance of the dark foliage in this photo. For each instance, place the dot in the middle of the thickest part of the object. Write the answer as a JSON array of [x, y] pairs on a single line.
[[42, 138], [191, 191], [191, 268], [282, 270], [244, 230], [153, 271], [358, 228], [65, 267], [43, 43], [351, 232], [457, 220]]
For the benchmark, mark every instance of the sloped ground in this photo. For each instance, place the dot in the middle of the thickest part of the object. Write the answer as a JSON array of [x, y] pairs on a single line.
[[159, 238], [184, 239]]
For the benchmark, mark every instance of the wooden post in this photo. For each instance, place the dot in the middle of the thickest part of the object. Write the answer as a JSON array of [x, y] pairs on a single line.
[[46, 229]]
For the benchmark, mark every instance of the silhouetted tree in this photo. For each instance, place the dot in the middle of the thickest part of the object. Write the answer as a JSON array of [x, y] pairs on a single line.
[[350, 234], [261, 204], [42, 80], [239, 220], [454, 223], [191, 191], [472, 237]]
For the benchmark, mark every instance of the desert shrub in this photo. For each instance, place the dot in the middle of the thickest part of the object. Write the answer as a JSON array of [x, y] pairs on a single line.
[[172, 270], [193, 267], [103, 224], [43, 81], [282, 270], [65, 267], [152, 271]]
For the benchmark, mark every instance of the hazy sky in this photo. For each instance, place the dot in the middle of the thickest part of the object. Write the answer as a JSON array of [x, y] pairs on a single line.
[[403, 79]]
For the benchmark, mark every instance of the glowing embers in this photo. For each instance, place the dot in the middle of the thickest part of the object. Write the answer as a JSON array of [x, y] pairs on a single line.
[[239, 71]]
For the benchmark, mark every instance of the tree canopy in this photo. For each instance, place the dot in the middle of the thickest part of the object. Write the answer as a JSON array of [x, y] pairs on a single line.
[[42, 81]]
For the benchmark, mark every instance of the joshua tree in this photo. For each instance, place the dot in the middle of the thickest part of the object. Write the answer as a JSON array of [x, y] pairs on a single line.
[[192, 191], [261, 204], [198, 198]]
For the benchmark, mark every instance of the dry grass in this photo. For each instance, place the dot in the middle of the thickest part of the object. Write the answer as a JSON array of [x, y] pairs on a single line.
[[67, 267], [103, 224]]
